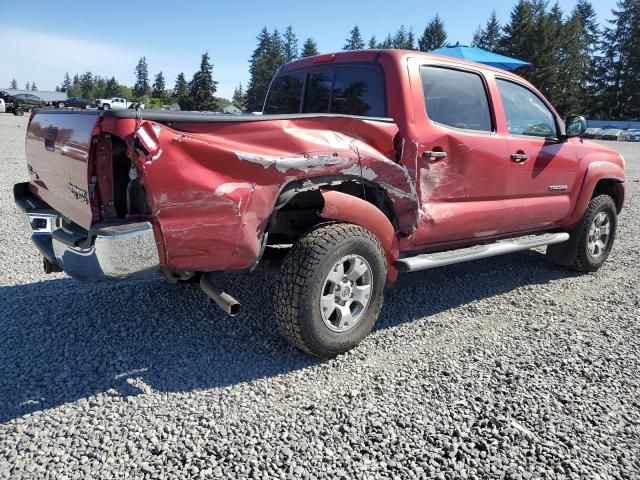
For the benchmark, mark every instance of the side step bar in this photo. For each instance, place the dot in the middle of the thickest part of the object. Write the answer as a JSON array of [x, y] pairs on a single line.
[[449, 257]]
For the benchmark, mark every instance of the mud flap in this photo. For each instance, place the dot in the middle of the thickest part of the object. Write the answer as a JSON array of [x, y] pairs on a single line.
[[564, 253]]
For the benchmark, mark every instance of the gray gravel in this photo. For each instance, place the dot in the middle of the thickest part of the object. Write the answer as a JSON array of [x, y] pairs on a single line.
[[503, 368]]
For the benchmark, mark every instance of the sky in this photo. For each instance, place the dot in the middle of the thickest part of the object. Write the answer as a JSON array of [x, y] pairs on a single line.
[[44, 40]]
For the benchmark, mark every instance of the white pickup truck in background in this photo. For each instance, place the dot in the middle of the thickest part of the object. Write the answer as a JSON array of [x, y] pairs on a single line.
[[116, 103]]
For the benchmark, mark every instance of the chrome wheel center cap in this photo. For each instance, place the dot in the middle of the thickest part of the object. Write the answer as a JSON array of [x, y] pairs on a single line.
[[346, 292]]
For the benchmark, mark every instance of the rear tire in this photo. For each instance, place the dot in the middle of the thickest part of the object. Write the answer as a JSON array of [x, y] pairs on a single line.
[[331, 288], [106, 107], [593, 239], [18, 111]]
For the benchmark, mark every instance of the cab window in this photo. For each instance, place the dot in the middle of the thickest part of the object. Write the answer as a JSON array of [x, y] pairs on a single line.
[[346, 89], [456, 98], [285, 94], [525, 112]]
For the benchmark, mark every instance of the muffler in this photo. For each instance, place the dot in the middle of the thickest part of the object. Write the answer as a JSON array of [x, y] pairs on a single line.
[[222, 298]]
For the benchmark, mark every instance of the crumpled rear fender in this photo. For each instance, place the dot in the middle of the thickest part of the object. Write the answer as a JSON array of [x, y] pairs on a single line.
[[212, 187]]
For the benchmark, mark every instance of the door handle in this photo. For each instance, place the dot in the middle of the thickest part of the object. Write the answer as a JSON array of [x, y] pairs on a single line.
[[519, 157], [434, 154]]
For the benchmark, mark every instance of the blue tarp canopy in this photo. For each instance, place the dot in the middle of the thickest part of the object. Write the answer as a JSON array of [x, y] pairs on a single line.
[[481, 56]]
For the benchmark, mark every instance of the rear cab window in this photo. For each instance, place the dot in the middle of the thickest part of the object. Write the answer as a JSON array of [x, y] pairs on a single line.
[[456, 98], [351, 89]]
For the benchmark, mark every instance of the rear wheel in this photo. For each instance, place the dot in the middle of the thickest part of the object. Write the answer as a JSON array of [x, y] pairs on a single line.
[[18, 111], [106, 106], [331, 288], [596, 237]]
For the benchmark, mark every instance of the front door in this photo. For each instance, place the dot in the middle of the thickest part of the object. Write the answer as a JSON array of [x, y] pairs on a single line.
[[462, 171], [542, 168]]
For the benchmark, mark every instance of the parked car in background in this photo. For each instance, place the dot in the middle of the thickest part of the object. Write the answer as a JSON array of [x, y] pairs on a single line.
[[591, 132], [77, 102], [116, 103], [23, 102], [611, 134], [632, 135], [2, 109]]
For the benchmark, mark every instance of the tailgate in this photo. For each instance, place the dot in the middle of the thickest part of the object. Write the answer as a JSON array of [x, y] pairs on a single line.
[[58, 147]]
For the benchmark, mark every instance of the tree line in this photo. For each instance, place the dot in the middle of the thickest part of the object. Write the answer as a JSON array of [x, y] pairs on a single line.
[[579, 65]]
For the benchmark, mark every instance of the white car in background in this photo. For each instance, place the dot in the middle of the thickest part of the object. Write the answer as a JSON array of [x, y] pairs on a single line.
[[632, 135], [116, 103], [2, 107]]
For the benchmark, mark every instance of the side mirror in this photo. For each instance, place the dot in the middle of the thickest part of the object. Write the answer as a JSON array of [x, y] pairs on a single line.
[[575, 126]]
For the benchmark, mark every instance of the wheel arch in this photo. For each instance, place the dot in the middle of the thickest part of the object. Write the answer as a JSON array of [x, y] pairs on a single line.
[[601, 177], [343, 199]]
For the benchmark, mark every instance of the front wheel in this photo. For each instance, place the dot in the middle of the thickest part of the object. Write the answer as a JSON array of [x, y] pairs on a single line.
[[331, 288], [19, 111], [593, 241]]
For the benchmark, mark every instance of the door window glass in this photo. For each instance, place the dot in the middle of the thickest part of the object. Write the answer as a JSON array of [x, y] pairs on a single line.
[[456, 98], [525, 113]]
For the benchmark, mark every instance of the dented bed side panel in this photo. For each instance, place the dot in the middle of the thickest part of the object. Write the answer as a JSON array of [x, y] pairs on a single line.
[[212, 187]]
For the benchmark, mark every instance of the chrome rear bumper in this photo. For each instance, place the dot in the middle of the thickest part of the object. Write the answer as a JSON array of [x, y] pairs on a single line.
[[107, 252]]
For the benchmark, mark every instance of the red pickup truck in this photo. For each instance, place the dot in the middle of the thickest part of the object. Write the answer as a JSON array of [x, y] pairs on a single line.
[[364, 164]]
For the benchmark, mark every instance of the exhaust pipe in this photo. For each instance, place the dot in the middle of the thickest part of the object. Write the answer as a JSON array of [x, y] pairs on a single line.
[[223, 299]]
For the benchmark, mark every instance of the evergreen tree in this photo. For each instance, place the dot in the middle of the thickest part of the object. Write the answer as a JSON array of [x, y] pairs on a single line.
[[434, 35], [309, 49], [265, 61], [354, 42], [159, 86], [14, 84], [202, 88], [33, 86], [27, 86], [181, 88], [403, 39], [86, 85], [99, 87], [411, 41], [620, 64], [239, 99], [142, 87], [387, 43], [487, 38], [290, 45], [66, 83], [112, 88], [517, 38], [373, 42]]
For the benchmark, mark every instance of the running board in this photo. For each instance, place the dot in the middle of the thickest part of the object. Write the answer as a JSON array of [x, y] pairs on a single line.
[[449, 257]]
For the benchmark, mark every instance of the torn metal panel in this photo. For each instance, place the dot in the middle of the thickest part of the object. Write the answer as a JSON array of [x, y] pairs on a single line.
[[214, 187]]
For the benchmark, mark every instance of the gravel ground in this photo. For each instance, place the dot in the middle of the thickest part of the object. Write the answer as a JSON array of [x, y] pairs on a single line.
[[502, 368]]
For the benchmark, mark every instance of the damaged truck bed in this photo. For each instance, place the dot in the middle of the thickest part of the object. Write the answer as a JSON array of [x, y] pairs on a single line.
[[364, 164]]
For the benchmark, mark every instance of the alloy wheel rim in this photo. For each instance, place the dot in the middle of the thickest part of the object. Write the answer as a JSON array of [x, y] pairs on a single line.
[[599, 234], [346, 293]]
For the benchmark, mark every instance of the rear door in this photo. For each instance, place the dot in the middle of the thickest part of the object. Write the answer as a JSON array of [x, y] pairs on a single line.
[[461, 169], [58, 149], [542, 167]]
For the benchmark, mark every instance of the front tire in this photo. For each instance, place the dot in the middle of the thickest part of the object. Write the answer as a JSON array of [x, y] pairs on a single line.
[[331, 288], [593, 240], [18, 111]]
